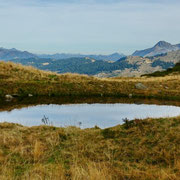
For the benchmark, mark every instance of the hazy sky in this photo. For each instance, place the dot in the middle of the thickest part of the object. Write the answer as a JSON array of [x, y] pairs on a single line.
[[88, 26]]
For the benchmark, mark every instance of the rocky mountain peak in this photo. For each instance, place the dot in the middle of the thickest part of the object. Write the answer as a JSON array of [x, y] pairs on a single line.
[[163, 44]]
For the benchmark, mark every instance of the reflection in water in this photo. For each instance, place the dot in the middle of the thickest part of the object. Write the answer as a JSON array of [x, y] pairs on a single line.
[[86, 115]]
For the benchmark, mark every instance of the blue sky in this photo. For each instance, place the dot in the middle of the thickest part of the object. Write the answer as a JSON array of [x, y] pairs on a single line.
[[88, 26]]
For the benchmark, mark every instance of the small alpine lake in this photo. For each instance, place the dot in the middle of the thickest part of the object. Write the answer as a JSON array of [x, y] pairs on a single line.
[[85, 115]]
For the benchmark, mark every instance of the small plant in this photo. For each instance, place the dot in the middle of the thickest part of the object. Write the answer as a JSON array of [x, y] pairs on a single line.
[[79, 124], [96, 127], [46, 121], [128, 123]]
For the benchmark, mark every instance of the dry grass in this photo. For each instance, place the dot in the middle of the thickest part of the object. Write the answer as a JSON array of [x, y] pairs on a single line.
[[18, 79], [16, 72], [138, 150]]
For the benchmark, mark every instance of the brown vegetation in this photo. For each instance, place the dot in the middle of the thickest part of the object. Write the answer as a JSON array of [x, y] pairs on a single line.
[[21, 80], [140, 149]]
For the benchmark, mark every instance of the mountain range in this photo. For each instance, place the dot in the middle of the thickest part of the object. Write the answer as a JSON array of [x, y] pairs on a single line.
[[160, 48], [161, 57], [111, 57], [10, 54], [126, 66]]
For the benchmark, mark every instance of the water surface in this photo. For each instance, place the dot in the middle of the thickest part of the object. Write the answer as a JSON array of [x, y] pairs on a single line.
[[86, 115]]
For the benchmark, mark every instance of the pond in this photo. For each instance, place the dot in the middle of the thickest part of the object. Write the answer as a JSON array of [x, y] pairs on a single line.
[[86, 115]]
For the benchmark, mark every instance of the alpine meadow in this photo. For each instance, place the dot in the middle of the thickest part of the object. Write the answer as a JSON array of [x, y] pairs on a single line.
[[89, 90]]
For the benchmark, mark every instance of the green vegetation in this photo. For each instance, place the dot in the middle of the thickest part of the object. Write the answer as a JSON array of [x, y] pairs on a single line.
[[140, 149], [175, 69], [75, 65]]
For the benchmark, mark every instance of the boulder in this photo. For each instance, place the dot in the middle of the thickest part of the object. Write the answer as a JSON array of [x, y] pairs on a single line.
[[140, 86], [8, 96]]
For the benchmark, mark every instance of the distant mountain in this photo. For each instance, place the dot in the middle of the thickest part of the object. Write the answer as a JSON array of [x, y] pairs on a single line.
[[160, 48], [126, 66], [144, 65], [155, 59], [75, 65], [9, 54], [111, 57]]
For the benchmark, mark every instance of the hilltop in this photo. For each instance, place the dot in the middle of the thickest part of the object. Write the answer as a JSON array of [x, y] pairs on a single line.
[[21, 80]]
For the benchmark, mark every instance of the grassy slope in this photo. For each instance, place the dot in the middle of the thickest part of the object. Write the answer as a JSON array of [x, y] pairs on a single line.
[[17, 79], [146, 149]]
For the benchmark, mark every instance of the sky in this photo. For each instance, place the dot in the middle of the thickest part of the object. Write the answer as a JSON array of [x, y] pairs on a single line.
[[88, 26]]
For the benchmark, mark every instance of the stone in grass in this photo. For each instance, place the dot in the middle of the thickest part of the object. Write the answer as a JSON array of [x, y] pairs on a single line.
[[140, 86], [8, 97], [30, 95]]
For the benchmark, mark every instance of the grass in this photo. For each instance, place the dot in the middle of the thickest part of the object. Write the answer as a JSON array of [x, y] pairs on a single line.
[[21, 80], [138, 150]]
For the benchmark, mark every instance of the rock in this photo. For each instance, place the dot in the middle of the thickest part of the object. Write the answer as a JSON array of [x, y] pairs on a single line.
[[30, 95], [130, 95], [140, 86], [8, 96]]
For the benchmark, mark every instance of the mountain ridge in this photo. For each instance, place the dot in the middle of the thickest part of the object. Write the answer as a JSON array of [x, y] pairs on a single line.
[[161, 47], [10, 54], [111, 57], [127, 66]]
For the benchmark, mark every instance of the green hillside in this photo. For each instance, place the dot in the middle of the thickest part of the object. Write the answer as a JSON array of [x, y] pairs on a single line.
[[75, 65], [174, 70], [126, 66]]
